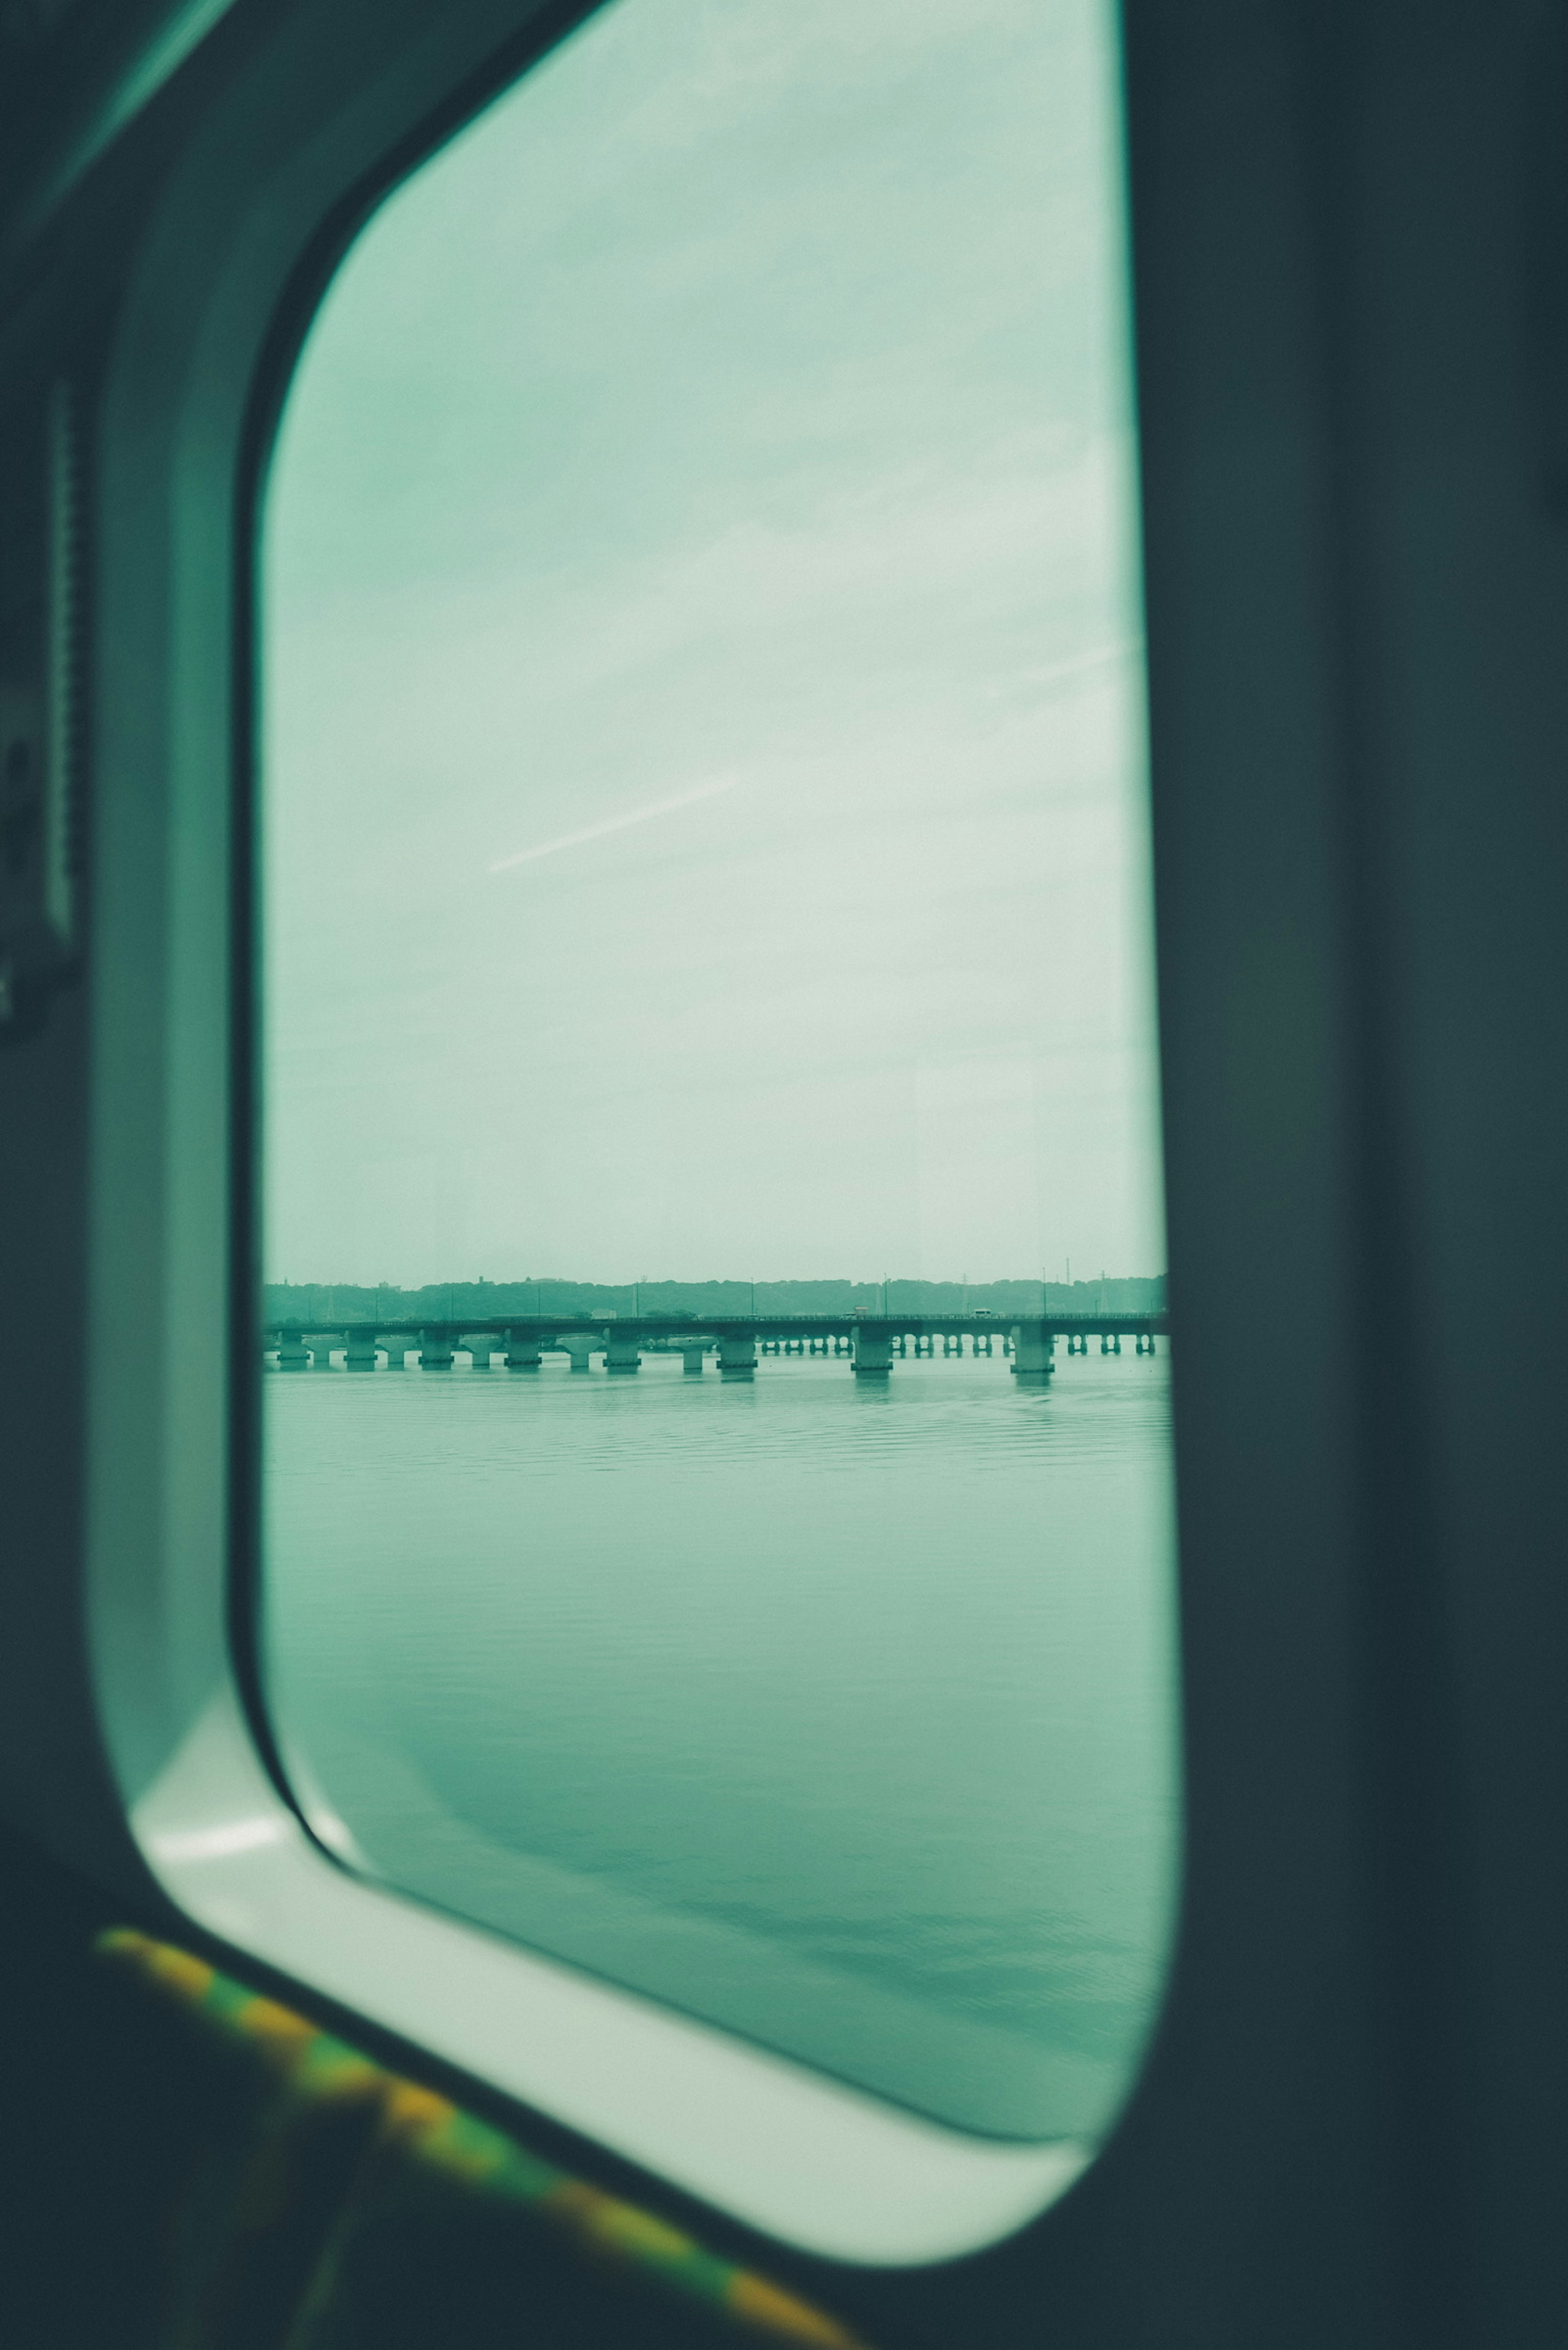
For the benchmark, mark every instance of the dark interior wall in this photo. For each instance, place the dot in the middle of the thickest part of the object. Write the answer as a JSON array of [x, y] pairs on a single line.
[[1352, 252]]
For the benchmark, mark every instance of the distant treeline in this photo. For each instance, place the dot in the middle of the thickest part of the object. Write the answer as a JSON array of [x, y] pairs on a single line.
[[450, 1301]]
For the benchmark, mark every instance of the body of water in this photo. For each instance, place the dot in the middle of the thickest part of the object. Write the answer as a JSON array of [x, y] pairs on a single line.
[[842, 1712]]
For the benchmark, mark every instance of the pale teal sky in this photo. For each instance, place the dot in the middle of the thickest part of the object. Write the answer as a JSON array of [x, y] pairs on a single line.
[[733, 423]]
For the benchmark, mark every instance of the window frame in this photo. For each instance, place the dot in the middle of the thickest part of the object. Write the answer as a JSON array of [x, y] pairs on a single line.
[[237, 250]]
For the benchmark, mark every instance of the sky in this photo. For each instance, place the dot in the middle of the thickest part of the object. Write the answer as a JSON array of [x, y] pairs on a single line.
[[704, 796]]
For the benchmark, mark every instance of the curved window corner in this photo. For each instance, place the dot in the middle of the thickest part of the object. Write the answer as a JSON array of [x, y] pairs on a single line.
[[718, 1557]]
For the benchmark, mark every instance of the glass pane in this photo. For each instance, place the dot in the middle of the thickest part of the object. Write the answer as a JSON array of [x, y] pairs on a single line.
[[712, 1082]]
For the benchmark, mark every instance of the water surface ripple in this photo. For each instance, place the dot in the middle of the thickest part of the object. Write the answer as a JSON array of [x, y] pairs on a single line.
[[842, 1712]]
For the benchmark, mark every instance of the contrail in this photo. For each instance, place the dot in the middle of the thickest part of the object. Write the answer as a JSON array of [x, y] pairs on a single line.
[[616, 823], [1078, 663]]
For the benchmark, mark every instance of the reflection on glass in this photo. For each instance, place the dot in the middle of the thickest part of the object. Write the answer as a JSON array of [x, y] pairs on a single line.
[[707, 938]]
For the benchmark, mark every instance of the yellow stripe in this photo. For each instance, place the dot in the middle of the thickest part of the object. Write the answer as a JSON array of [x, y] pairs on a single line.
[[751, 2297], [432, 2127]]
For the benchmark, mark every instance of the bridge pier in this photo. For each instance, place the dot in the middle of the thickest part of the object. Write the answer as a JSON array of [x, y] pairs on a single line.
[[359, 1349], [395, 1344], [321, 1345], [435, 1351], [521, 1350], [1032, 1351], [622, 1352], [580, 1348], [693, 1359], [737, 1355], [293, 1354], [874, 1354], [480, 1345]]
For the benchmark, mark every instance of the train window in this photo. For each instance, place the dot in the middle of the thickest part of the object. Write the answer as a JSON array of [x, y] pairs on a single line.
[[709, 1071]]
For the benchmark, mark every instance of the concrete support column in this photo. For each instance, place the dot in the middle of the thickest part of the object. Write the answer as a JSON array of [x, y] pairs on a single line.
[[580, 1347], [292, 1352], [435, 1351], [1032, 1349], [521, 1350], [623, 1352], [395, 1344], [873, 1354], [481, 1345], [737, 1355], [359, 1349], [693, 1359], [321, 1345]]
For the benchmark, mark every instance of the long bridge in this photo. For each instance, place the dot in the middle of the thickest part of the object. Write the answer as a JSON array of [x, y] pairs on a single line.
[[870, 1342]]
